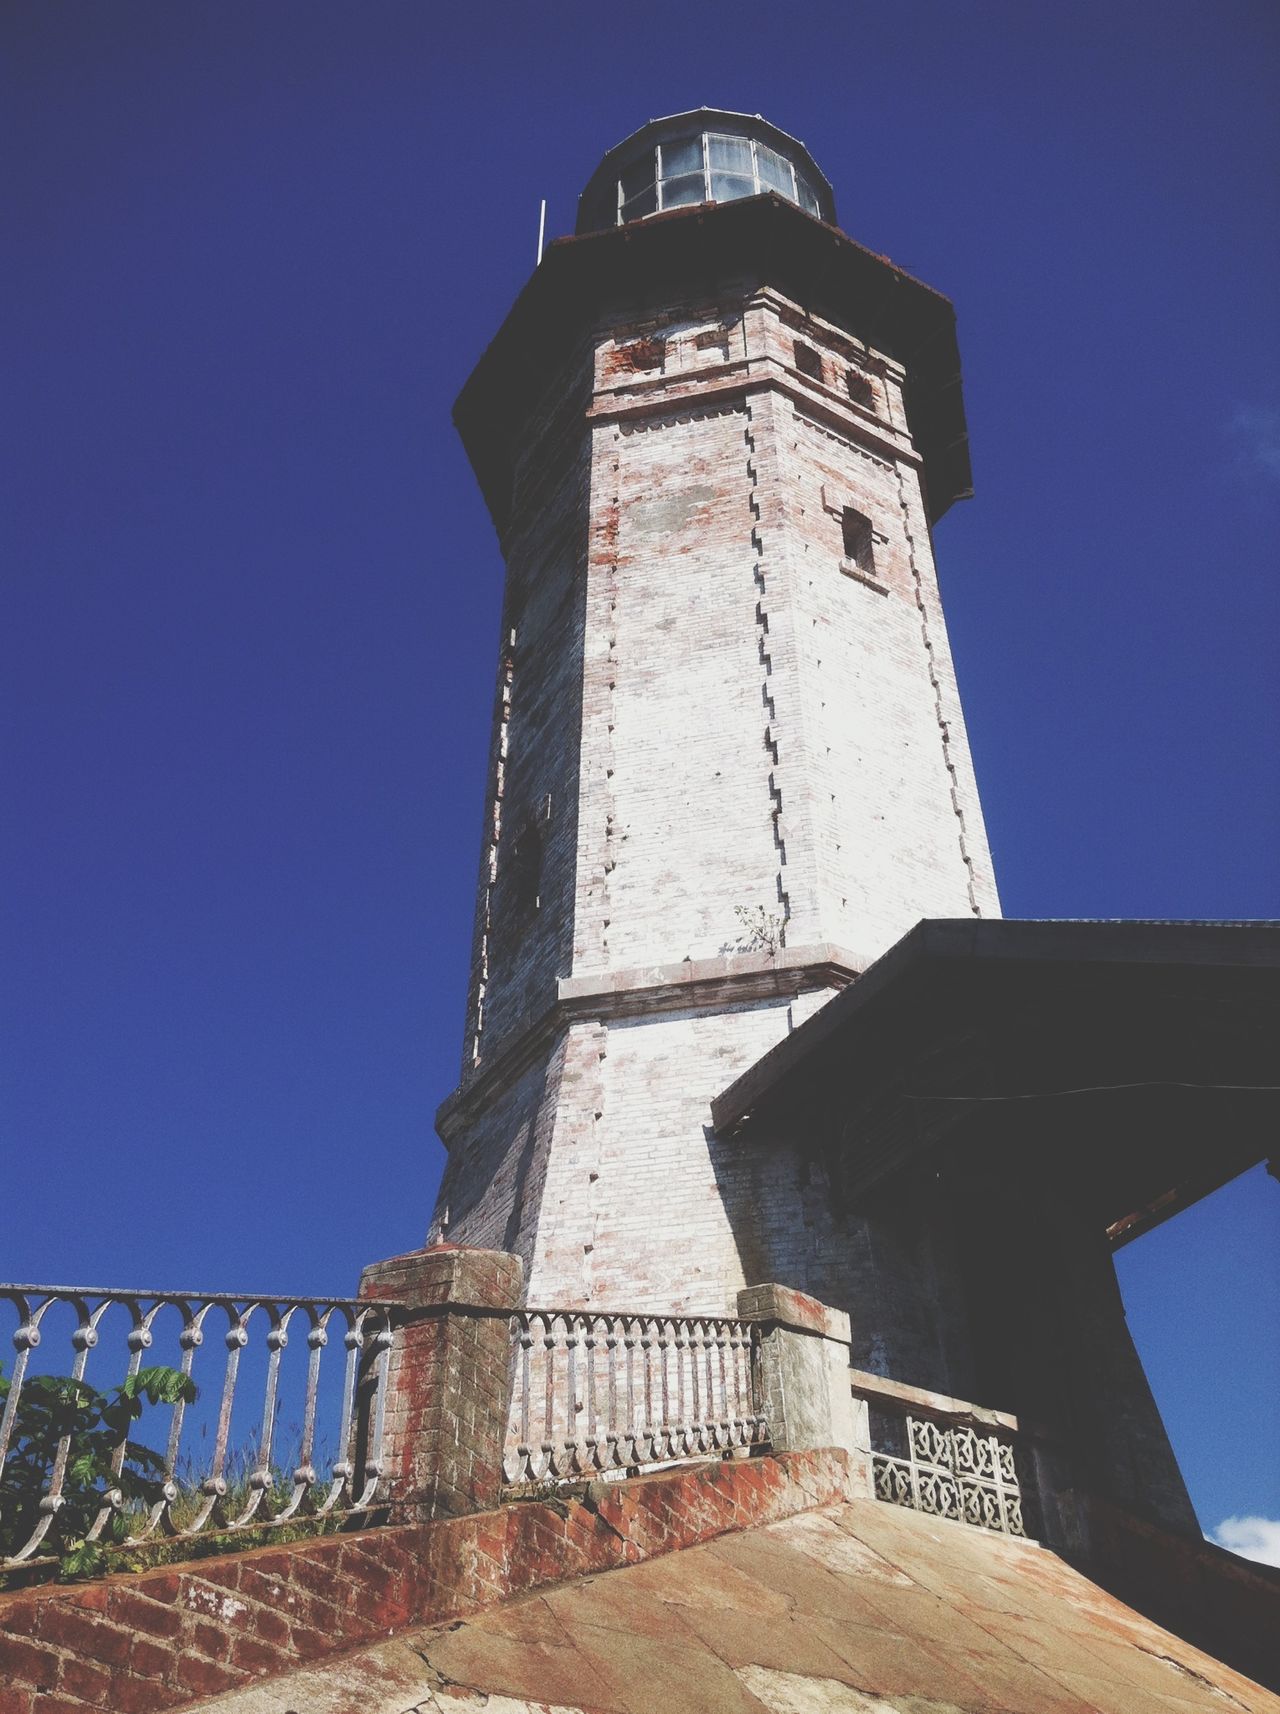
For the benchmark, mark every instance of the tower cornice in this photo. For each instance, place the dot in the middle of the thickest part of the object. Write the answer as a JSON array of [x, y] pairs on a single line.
[[711, 385], [709, 984], [765, 241]]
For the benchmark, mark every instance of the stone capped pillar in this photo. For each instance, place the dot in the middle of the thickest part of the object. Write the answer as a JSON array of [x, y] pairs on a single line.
[[804, 1373], [448, 1384]]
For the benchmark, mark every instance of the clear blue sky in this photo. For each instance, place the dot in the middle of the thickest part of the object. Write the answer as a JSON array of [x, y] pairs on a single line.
[[251, 592]]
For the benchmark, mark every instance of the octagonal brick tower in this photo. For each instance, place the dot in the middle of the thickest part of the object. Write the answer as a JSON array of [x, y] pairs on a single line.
[[729, 766]]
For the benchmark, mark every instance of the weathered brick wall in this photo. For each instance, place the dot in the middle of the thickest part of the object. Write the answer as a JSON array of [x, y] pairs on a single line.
[[683, 807], [448, 1377], [492, 1184], [160, 1639], [598, 1167], [525, 893], [644, 1207], [763, 729], [711, 713]]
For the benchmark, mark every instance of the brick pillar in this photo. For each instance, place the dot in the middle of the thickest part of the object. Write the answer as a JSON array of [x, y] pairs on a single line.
[[448, 1379], [804, 1370]]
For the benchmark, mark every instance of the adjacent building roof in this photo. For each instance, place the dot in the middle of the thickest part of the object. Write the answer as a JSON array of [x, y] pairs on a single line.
[[1135, 1060]]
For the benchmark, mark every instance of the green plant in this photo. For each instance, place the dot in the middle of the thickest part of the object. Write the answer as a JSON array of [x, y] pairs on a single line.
[[96, 1426], [761, 931]]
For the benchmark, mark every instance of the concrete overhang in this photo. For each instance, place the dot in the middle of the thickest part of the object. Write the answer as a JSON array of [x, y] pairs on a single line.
[[764, 241], [1132, 1066]]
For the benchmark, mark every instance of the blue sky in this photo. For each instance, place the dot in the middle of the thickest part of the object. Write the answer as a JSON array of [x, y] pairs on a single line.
[[251, 591]]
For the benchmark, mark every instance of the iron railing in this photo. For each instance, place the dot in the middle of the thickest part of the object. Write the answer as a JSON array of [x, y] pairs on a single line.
[[604, 1391], [947, 1468], [231, 1486]]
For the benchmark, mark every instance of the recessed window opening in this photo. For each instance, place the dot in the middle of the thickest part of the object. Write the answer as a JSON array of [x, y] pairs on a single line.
[[807, 360], [644, 354], [860, 389], [525, 871], [709, 166], [858, 539]]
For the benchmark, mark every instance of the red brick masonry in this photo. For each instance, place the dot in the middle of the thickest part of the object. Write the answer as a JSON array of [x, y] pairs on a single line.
[[159, 1639]]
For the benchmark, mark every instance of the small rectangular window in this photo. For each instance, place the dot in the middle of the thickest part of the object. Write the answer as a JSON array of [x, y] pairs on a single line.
[[807, 360], [858, 540], [524, 875]]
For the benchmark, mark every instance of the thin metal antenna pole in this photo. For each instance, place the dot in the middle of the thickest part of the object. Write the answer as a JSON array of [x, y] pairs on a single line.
[[542, 229]]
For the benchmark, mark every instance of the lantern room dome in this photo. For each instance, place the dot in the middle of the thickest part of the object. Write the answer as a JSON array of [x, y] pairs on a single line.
[[707, 155]]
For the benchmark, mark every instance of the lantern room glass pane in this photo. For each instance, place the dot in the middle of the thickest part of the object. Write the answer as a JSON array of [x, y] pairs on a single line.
[[677, 192], [727, 187], [730, 154], [645, 202], [808, 197], [775, 171], [682, 156], [635, 177]]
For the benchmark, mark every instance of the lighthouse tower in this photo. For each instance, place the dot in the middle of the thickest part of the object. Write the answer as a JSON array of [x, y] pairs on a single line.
[[729, 766]]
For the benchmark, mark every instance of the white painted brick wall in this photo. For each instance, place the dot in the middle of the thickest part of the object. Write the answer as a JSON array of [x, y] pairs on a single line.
[[705, 713]]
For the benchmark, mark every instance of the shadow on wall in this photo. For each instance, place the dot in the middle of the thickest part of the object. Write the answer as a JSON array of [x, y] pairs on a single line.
[[485, 1194], [891, 1262]]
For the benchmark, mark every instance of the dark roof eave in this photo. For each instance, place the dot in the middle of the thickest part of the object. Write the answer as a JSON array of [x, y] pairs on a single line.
[[937, 942], [1131, 1061], [763, 237]]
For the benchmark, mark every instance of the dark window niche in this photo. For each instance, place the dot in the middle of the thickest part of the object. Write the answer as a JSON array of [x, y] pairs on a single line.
[[858, 540], [860, 390], [807, 360], [644, 354], [524, 872]]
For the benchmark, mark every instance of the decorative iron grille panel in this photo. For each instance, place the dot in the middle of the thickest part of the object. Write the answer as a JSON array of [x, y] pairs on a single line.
[[596, 1392], [952, 1472]]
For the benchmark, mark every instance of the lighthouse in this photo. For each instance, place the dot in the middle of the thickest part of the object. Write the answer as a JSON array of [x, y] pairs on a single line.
[[742, 1008], [729, 766]]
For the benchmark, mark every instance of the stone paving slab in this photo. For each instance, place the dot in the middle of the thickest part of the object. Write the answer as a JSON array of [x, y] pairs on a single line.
[[856, 1609]]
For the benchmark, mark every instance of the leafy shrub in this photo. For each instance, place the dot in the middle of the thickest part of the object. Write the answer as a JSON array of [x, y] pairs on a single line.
[[53, 1406]]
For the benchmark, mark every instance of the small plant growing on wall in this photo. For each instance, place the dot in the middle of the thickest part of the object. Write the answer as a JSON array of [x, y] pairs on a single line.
[[761, 930]]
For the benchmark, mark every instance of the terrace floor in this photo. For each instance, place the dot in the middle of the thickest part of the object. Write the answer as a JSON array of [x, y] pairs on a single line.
[[861, 1608]]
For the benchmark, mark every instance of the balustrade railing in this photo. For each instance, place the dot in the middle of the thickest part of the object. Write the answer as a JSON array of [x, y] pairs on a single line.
[[596, 1392], [952, 1472], [255, 1472], [946, 1465]]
